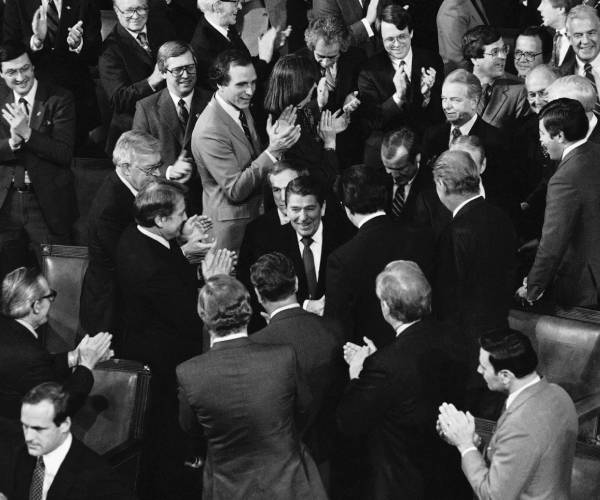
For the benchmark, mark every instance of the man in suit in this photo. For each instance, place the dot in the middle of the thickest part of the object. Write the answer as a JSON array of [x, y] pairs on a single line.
[[395, 391], [454, 18], [399, 86], [475, 261], [137, 159], [25, 362], [55, 465], [350, 294], [567, 264], [158, 323], [227, 150], [503, 101], [317, 344], [64, 38], [554, 16], [531, 452], [127, 64], [253, 445], [532, 48], [36, 146], [358, 15]]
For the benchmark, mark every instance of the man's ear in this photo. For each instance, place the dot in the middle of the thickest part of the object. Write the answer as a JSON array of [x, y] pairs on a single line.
[[323, 208], [159, 221], [418, 160], [483, 166], [560, 137], [506, 376], [65, 425], [296, 284]]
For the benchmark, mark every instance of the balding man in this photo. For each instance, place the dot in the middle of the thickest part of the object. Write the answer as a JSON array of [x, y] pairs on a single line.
[[476, 261], [392, 393]]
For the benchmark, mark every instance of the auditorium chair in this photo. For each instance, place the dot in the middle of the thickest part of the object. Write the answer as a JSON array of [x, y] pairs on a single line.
[[568, 348]]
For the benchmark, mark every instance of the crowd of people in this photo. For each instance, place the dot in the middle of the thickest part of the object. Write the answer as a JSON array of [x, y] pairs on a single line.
[[312, 235]]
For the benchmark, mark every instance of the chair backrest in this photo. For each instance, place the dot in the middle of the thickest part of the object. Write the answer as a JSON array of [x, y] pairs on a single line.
[[112, 419], [64, 267]]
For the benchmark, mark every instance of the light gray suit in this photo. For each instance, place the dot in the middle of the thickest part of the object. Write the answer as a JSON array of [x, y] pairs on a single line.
[[232, 174], [531, 452]]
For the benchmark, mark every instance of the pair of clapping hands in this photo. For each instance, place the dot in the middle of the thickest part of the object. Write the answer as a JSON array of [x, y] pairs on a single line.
[[427, 81], [39, 27], [355, 355], [457, 428], [92, 350]]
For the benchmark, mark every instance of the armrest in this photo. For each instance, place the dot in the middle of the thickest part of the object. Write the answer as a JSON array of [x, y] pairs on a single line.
[[588, 406], [485, 429]]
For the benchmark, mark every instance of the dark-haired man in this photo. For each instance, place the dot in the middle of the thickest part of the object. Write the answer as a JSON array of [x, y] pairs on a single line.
[[54, 464], [226, 147], [532, 48], [554, 16], [353, 267], [567, 263], [37, 133], [532, 449]]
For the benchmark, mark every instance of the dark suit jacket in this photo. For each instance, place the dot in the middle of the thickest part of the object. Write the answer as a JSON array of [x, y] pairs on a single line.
[[395, 402], [25, 363], [475, 271], [317, 343], [352, 269], [569, 64], [110, 214], [124, 68], [57, 63], [243, 396], [508, 103], [568, 256], [46, 155], [83, 475], [159, 323]]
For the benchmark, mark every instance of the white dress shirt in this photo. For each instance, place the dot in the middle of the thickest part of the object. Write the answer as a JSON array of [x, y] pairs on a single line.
[[570, 148], [53, 461], [28, 326], [408, 60], [316, 247], [225, 338], [369, 217], [284, 308], [187, 99], [155, 237], [513, 396], [465, 128], [458, 209], [404, 326]]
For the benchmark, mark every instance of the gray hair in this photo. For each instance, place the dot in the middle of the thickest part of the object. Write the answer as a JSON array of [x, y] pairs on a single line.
[[224, 305], [21, 288], [581, 12], [468, 79], [574, 87], [457, 171], [131, 144]]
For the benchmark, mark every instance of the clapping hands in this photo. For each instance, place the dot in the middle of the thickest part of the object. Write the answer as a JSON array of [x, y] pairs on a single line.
[[456, 427], [427, 81], [355, 355], [283, 134], [221, 261]]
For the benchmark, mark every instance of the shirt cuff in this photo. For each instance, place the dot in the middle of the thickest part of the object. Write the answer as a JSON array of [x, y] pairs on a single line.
[[273, 159], [35, 43], [396, 99], [168, 172], [14, 146], [468, 450], [305, 305], [368, 27]]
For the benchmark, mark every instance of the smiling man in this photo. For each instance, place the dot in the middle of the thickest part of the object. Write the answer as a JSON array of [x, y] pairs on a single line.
[[532, 48]]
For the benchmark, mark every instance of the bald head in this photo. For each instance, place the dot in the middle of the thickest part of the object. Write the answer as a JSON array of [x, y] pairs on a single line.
[[537, 82]]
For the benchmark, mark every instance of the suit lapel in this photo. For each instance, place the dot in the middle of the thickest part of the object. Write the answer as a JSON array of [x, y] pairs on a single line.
[[134, 45], [39, 107], [66, 475], [232, 126], [198, 102], [498, 103], [167, 112]]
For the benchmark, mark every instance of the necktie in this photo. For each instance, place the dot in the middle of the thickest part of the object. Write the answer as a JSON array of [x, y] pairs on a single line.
[[52, 22], [142, 39], [183, 114], [590, 76], [556, 48], [403, 69], [398, 201], [19, 174], [455, 134], [485, 97], [25, 105], [365, 6], [309, 267], [246, 127], [37, 480]]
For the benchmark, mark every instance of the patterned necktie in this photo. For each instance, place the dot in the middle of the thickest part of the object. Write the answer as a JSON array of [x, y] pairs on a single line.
[[403, 69], [37, 480], [183, 114], [246, 127], [556, 48], [455, 134], [142, 39], [589, 74], [309, 267], [398, 201], [485, 97], [52, 22], [25, 104]]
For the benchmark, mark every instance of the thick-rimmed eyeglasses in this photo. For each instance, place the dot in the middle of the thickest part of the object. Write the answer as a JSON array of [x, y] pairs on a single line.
[[22, 70], [498, 51], [190, 69], [51, 295], [140, 11], [390, 40], [528, 56], [150, 171], [232, 1]]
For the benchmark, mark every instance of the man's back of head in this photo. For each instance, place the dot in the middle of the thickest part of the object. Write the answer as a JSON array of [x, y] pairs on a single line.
[[362, 190], [274, 279], [456, 178]]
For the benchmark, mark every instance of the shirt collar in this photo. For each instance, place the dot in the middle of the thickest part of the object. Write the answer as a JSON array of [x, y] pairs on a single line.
[[457, 209], [407, 62], [512, 396], [225, 338], [284, 308], [29, 97], [317, 237], [135, 34], [404, 326], [220, 29], [28, 326], [570, 148], [155, 237], [594, 62], [369, 217], [592, 125], [187, 99], [126, 182], [465, 128], [229, 109], [54, 459]]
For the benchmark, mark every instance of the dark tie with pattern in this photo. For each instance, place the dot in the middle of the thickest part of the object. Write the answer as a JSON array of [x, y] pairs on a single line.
[[556, 48], [246, 127], [589, 74], [52, 22], [398, 201], [183, 114], [309, 267], [143, 41], [37, 480], [19, 175], [455, 134], [485, 97]]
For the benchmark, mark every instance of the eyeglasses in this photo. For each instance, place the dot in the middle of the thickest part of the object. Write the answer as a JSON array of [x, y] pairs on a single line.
[[151, 170], [51, 295], [232, 1], [540, 94], [140, 11], [498, 51], [190, 69], [529, 56], [390, 40], [21, 70]]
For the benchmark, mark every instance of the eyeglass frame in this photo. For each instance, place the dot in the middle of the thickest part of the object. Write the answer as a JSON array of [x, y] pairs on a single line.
[[232, 1], [187, 68], [496, 52], [403, 38], [51, 295], [18, 71], [129, 13], [149, 171], [529, 56]]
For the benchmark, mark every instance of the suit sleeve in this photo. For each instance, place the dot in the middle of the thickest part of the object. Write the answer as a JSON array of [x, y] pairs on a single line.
[[121, 91], [451, 27], [516, 456], [562, 209], [238, 182], [12, 30], [187, 418], [339, 295], [92, 34], [56, 145], [377, 114], [140, 119]]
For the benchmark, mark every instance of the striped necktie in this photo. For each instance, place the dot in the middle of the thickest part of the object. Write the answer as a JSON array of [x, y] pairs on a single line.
[[52, 20], [589, 74], [398, 201]]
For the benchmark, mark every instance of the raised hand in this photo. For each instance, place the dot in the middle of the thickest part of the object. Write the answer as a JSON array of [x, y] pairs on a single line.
[[181, 170], [457, 427], [266, 44], [282, 136], [75, 36], [283, 35], [17, 119], [217, 262], [351, 103], [91, 350], [400, 83], [39, 23], [288, 116], [322, 92], [427, 80]]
